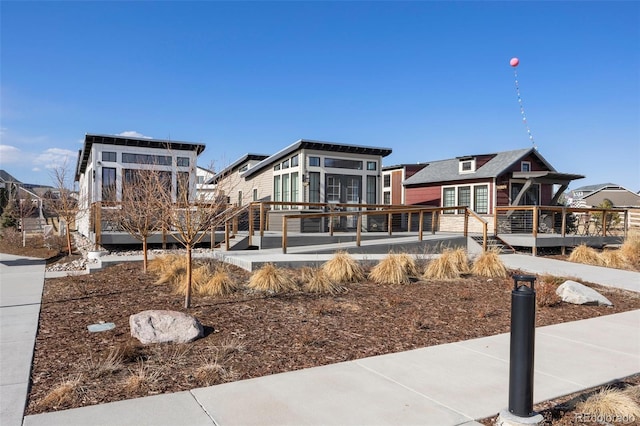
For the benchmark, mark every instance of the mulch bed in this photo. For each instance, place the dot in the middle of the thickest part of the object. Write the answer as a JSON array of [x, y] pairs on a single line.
[[250, 334]]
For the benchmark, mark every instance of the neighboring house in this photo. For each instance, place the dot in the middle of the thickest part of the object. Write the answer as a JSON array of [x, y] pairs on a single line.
[[594, 195], [205, 191], [393, 192], [12, 188], [307, 171], [106, 161], [482, 182]]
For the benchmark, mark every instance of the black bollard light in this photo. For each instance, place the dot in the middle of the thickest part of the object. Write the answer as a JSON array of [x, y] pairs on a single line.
[[523, 325]]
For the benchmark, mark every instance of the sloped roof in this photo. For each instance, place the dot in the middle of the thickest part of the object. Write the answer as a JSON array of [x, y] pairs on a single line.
[[7, 177], [597, 187], [236, 164], [319, 146], [90, 139], [448, 170]]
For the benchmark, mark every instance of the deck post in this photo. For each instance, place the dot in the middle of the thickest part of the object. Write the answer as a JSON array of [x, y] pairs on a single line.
[[261, 220], [434, 217], [409, 222], [421, 224], [250, 224], [389, 223], [466, 223], [484, 237], [227, 243], [284, 234], [358, 229]]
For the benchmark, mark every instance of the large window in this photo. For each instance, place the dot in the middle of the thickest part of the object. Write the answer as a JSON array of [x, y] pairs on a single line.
[[294, 161], [314, 161], [449, 199], [386, 181], [464, 196], [160, 160], [333, 189], [182, 161], [109, 156], [285, 188], [108, 184], [371, 190], [481, 199], [182, 187], [314, 187], [386, 197], [294, 187], [372, 165], [276, 189], [340, 163]]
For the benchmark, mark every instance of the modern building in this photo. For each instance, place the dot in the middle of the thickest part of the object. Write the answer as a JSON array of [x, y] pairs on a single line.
[[106, 162], [595, 195]]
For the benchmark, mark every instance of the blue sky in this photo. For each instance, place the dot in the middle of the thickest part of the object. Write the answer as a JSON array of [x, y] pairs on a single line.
[[429, 79]]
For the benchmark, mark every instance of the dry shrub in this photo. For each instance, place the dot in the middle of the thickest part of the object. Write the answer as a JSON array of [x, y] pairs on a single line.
[[317, 281], [461, 260], [587, 255], [488, 264], [270, 279], [630, 249], [210, 373], [66, 393], [218, 284], [634, 393], [409, 264], [546, 295], [444, 267], [343, 268], [229, 347], [390, 270], [110, 364], [171, 269], [613, 259], [610, 403], [141, 378]]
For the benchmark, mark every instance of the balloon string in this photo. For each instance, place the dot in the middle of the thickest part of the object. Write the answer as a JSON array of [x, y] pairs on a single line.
[[524, 116]]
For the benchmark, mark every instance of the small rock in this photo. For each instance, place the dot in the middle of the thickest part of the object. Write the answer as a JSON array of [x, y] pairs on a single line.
[[579, 294], [104, 326], [158, 326]]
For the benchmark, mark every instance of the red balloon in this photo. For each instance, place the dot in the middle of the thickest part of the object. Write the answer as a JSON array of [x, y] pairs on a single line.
[[514, 62]]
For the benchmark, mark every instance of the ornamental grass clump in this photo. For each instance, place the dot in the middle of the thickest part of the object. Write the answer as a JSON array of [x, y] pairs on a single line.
[[343, 268], [270, 279], [444, 267], [489, 265], [610, 403], [199, 276], [630, 249], [587, 255], [613, 259], [66, 393], [219, 283], [390, 270], [409, 264], [170, 268], [461, 260], [315, 280]]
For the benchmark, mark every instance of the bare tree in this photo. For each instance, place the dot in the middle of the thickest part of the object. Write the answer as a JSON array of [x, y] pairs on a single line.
[[63, 203], [139, 212], [190, 219]]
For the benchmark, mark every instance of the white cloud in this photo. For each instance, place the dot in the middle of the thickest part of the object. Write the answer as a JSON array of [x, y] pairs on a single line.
[[133, 134], [56, 157], [10, 154]]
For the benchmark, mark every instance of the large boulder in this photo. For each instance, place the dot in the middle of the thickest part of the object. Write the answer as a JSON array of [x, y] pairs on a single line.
[[158, 326], [579, 294]]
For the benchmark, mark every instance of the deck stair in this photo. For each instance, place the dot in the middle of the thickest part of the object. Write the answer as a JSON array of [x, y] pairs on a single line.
[[495, 243]]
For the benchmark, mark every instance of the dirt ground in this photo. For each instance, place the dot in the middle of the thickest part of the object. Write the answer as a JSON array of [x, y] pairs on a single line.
[[249, 334]]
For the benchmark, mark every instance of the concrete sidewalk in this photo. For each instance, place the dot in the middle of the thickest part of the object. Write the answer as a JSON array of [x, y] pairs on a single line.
[[21, 283], [450, 384]]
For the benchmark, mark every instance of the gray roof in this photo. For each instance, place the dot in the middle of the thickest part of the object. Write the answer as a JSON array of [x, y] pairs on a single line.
[[7, 177], [597, 187], [447, 170], [320, 146], [236, 164]]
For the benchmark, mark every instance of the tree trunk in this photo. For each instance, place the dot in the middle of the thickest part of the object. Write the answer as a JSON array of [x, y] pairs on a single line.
[[187, 298], [68, 237], [144, 255]]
